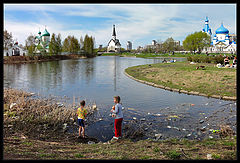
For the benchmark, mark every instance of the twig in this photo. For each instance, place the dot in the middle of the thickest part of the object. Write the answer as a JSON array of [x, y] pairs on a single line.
[[184, 154]]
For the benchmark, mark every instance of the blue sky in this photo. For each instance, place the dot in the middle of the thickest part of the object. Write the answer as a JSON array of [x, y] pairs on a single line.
[[138, 23]]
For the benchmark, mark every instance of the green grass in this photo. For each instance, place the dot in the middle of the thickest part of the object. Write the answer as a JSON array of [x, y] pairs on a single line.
[[182, 75], [79, 155], [149, 55], [173, 154]]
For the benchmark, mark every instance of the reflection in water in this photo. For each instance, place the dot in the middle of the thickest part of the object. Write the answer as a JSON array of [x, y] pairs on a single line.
[[99, 79], [114, 76]]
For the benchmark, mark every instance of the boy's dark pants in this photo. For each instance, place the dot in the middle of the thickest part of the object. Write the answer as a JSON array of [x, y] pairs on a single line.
[[118, 127]]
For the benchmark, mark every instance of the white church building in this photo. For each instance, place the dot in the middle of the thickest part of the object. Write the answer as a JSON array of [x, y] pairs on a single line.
[[114, 44], [15, 50], [221, 42]]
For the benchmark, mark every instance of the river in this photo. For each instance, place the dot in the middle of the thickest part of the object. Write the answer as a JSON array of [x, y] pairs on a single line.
[[101, 78]]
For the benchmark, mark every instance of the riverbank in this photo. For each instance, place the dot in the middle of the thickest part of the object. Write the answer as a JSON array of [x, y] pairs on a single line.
[[32, 59], [20, 147], [37, 128], [184, 77], [162, 55]]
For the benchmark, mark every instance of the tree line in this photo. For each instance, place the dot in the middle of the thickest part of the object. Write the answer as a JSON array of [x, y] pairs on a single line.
[[70, 45], [85, 47]]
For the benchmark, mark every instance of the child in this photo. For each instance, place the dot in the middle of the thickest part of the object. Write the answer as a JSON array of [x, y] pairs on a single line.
[[81, 113], [117, 110]]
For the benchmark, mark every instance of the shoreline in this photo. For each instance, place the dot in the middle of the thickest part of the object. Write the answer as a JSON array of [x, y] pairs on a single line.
[[36, 59], [46, 131], [181, 90]]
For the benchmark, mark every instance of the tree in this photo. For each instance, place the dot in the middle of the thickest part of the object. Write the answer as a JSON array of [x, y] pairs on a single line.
[[7, 40], [169, 45], [71, 45], [66, 45], [88, 45], [81, 43], [197, 41], [30, 44], [52, 45], [58, 43]]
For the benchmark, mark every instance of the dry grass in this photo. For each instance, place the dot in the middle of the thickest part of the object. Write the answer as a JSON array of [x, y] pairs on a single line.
[[36, 116]]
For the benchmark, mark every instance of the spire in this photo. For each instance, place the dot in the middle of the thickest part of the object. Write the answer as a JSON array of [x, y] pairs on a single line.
[[114, 32], [206, 19]]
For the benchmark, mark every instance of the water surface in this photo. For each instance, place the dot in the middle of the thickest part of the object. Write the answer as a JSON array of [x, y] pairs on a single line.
[[99, 79]]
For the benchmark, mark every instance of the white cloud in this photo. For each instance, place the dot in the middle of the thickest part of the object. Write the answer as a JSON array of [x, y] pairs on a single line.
[[133, 22]]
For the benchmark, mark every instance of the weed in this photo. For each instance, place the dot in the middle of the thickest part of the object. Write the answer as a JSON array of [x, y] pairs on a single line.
[[216, 156], [145, 157], [28, 143], [173, 154], [78, 155], [156, 149]]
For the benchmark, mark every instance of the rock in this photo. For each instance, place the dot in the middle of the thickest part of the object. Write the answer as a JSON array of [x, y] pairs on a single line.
[[12, 104], [209, 156], [201, 121], [64, 126], [210, 137], [59, 104], [142, 119], [91, 142], [203, 128], [188, 135], [94, 106], [176, 128], [158, 136]]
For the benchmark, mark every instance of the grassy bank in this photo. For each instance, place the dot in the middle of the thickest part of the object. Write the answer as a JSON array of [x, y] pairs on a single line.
[[211, 81], [42, 58], [20, 147], [34, 129], [150, 55]]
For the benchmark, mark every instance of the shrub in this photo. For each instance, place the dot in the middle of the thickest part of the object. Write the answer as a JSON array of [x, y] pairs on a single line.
[[189, 58], [173, 154], [218, 59]]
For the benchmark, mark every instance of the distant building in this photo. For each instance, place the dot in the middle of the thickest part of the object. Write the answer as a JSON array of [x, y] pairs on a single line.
[[176, 43], [207, 28], [42, 42], [222, 41], [129, 45], [114, 44], [15, 50], [100, 47], [154, 42]]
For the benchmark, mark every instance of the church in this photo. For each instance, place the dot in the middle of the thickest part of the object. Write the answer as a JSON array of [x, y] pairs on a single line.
[[42, 41], [221, 42], [114, 44]]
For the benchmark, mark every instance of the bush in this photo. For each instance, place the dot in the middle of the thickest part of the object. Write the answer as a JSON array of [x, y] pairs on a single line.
[[218, 59], [189, 58], [196, 59]]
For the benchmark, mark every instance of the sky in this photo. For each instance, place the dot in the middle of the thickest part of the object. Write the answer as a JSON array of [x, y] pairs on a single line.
[[138, 23]]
